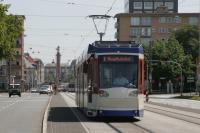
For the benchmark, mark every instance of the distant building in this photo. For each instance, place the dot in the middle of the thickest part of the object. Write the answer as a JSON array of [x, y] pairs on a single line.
[[149, 6], [50, 72], [146, 27], [30, 72], [40, 71], [33, 72]]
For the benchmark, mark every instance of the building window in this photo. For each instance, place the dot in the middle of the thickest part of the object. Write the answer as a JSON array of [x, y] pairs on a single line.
[[157, 4], [146, 31], [177, 19], [17, 63], [166, 20], [148, 5], [18, 43], [137, 5], [135, 21], [135, 31], [169, 20], [164, 30], [193, 20], [170, 5], [146, 21], [162, 19]]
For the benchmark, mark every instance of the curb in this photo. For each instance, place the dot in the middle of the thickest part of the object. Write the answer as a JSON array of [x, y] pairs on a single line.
[[45, 117]]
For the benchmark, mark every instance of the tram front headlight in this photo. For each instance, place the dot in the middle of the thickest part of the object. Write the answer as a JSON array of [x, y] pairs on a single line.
[[133, 94], [103, 93]]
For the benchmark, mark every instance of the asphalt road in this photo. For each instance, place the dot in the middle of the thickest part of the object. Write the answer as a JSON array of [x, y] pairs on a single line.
[[22, 114]]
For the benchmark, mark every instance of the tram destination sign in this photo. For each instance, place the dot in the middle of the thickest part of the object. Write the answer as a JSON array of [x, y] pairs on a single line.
[[117, 59]]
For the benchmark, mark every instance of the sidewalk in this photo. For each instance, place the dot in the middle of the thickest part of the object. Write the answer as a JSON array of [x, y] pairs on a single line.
[[169, 100]]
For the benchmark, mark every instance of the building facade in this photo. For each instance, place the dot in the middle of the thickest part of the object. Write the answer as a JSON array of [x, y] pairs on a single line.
[[33, 72], [50, 72], [143, 28], [149, 6]]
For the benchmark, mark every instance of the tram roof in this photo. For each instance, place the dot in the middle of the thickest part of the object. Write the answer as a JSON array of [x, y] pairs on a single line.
[[115, 46]]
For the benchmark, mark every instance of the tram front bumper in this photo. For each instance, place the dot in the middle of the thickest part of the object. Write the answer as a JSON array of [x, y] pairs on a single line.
[[121, 113]]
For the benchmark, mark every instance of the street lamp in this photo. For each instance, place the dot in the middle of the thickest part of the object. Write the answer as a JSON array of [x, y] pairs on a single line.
[[99, 18]]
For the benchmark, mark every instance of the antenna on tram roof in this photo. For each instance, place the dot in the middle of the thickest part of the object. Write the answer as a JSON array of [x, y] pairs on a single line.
[[95, 18]]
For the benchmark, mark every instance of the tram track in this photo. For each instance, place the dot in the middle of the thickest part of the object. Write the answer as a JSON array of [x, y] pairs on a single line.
[[113, 124], [158, 110], [173, 114]]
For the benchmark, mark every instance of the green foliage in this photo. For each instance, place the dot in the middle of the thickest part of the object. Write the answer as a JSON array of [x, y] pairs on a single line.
[[188, 36], [11, 26], [170, 53]]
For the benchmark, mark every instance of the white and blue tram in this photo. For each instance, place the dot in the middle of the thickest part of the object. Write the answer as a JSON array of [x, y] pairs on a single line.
[[110, 79]]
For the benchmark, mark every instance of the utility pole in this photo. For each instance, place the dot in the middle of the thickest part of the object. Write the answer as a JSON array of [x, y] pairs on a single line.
[[198, 61], [58, 68]]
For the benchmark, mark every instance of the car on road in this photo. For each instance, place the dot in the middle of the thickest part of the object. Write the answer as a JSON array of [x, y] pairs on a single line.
[[45, 89], [14, 89], [34, 90], [71, 87]]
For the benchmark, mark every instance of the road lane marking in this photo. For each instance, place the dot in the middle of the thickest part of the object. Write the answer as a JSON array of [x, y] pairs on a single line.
[[45, 117]]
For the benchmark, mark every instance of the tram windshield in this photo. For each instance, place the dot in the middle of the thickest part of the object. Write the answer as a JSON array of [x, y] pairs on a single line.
[[118, 71]]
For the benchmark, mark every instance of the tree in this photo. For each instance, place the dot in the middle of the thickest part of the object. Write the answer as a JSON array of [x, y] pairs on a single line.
[[188, 37], [11, 26], [168, 50]]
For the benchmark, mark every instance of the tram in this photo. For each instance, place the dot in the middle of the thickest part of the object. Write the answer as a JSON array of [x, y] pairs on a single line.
[[110, 79]]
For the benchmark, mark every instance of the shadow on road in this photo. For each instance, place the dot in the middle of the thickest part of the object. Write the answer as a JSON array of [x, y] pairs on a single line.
[[61, 114], [65, 114]]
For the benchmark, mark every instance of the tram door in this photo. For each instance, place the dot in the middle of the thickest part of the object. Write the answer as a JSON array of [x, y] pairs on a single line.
[[92, 79], [90, 82]]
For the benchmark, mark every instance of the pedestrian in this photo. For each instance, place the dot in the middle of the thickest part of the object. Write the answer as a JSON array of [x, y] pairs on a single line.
[[147, 95], [55, 89]]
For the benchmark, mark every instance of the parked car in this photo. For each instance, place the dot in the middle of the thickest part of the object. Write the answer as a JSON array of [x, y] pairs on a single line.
[[14, 89]]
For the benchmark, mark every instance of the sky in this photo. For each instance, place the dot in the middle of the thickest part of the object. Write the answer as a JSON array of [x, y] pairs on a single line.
[[65, 23]]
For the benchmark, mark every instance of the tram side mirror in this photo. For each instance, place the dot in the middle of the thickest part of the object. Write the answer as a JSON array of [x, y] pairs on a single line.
[[85, 67]]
